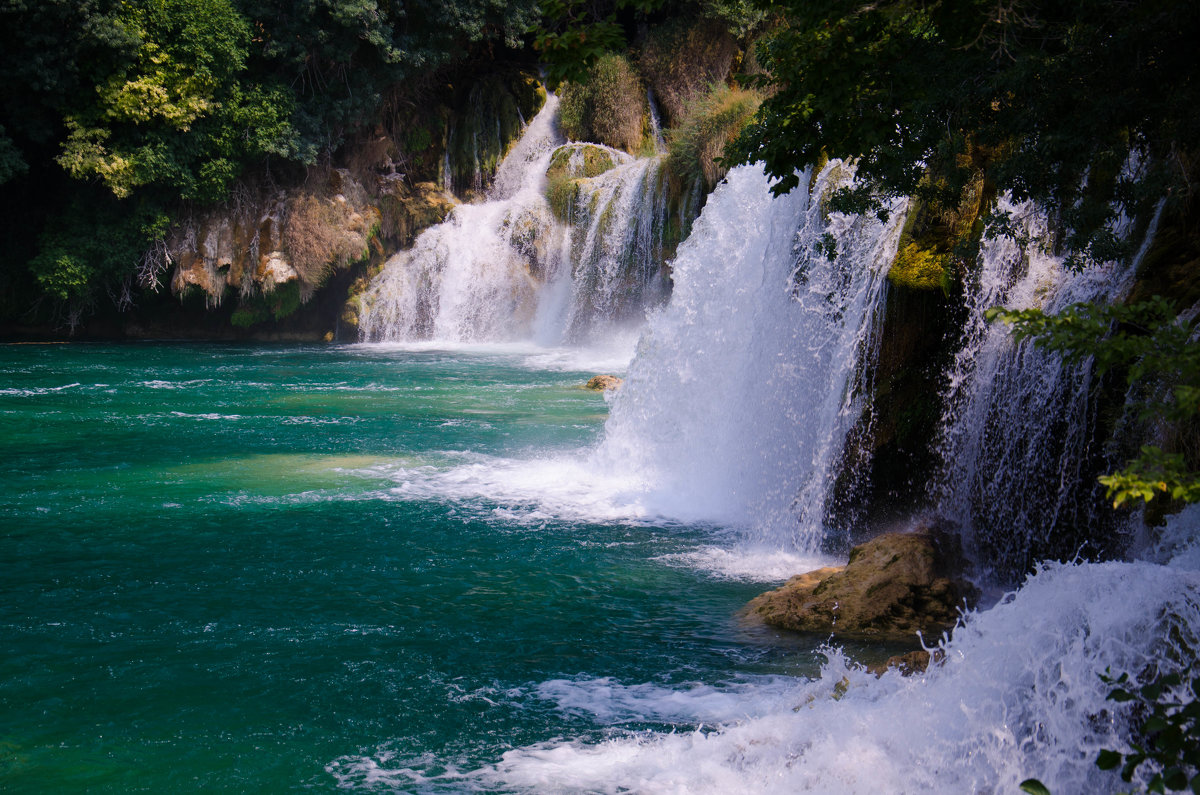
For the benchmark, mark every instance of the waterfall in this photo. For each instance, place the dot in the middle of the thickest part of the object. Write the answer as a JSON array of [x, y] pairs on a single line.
[[742, 392], [507, 268], [609, 255], [660, 144], [1021, 440]]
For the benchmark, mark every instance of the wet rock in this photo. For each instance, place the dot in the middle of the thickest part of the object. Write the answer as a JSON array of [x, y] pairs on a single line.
[[892, 587], [601, 383], [914, 662]]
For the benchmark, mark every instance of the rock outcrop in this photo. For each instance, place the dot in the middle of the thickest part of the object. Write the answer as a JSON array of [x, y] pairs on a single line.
[[257, 245], [913, 662], [892, 587], [601, 383]]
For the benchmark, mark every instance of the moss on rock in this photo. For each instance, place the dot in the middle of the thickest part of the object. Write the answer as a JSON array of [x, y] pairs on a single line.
[[919, 268], [892, 587], [568, 165], [939, 233]]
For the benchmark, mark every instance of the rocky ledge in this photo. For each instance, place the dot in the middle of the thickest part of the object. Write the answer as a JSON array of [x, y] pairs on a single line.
[[892, 587]]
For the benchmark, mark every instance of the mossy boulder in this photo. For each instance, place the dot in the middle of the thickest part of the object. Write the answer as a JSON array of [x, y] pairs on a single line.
[[893, 586], [603, 383], [571, 163], [406, 210]]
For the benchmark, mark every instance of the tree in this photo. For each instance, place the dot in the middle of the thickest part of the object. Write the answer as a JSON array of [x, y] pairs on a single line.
[[1052, 96], [177, 114]]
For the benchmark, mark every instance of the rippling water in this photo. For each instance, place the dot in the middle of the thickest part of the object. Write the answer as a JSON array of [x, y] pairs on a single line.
[[260, 568], [409, 569]]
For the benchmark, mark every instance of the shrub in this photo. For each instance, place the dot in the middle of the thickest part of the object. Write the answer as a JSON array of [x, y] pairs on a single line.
[[319, 235], [608, 108], [710, 123], [680, 63]]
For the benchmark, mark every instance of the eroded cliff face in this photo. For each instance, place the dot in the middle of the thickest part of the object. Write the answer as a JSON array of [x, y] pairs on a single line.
[[299, 237]]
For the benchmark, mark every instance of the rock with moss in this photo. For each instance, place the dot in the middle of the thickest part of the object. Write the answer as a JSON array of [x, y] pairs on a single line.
[[571, 163], [893, 586], [940, 233], [407, 209], [258, 243], [603, 383], [909, 663]]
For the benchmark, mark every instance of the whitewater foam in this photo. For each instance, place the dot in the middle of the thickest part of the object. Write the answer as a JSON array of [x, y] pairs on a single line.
[[1019, 695]]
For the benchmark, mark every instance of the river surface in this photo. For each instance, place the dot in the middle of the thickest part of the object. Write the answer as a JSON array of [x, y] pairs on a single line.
[[260, 568]]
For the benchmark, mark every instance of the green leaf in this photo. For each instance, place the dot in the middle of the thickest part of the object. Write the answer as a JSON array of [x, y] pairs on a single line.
[[1154, 724], [1108, 760], [1175, 779], [1034, 787]]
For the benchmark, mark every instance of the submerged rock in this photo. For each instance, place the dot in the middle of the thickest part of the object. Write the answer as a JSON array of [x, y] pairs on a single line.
[[601, 383], [892, 587], [913, 662]]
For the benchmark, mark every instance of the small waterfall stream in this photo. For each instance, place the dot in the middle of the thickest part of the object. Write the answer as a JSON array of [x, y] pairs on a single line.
[[1021, 425]]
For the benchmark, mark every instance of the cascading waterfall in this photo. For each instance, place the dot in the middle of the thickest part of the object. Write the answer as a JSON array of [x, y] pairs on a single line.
[[608, 263], [507, 269], [1020, 428], [736, 410], [739, 400]]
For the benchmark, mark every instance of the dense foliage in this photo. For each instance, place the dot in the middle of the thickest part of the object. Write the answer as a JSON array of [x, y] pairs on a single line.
[[1052, 96], [115, 115]]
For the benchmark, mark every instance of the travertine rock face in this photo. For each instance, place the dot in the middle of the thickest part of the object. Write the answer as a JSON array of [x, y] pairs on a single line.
[[257, 244], [892, 587]]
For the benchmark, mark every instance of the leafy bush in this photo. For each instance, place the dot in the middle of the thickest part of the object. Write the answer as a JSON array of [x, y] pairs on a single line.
[[609, 107], [1171, 731], [1054, 91], [1168, 730], [711, 122]]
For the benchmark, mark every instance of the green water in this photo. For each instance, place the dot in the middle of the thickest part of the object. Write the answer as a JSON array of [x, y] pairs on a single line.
[[245, 568]]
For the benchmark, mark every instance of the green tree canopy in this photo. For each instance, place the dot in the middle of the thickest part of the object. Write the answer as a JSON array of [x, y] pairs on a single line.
[[1052, 95]]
